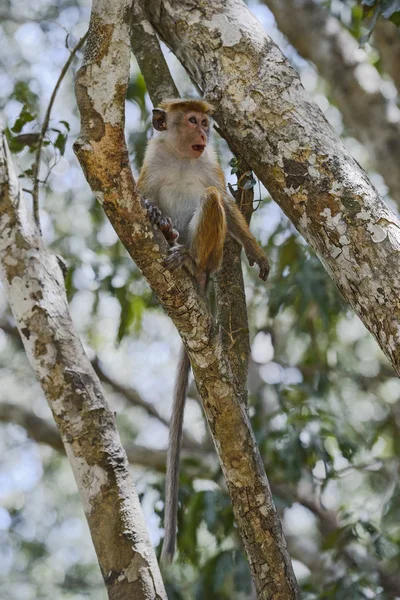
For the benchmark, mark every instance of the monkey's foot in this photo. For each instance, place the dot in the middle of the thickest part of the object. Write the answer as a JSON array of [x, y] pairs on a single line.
[[262, 262], [179, 256], [163, 223], [170, 233]]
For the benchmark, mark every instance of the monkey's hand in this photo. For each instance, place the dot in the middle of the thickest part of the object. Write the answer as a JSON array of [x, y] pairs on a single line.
[[179, 256], [261, 260], [163, 223]]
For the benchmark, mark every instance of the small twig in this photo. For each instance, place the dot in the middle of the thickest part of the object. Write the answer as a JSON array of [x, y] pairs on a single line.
[[56, 160], [368, 466], [36, 166]]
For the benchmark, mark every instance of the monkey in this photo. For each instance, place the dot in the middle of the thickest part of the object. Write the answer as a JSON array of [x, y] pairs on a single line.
[[181, 178]]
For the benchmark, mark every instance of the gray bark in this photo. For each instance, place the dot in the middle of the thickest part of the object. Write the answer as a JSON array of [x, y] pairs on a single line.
[[269, 120], [44, 432], [151, 61], [35, 288], [320, 37]]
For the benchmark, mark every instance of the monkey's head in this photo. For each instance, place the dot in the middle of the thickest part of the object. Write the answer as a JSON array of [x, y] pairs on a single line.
[[185, 125]]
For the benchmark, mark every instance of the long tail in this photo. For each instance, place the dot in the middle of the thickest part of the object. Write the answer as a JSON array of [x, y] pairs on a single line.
[[174, 449]]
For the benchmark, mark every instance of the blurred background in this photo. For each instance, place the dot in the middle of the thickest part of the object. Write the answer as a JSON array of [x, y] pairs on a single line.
[[324, 402]]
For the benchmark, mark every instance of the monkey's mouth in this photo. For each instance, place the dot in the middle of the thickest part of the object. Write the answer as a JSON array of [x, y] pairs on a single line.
[[198, 148]]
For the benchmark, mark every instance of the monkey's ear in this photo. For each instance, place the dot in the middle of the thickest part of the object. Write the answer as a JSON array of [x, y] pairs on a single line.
[[159, 119]]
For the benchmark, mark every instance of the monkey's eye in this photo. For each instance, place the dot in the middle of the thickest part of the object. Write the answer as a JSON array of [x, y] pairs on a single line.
[[192, 119], [204, 123]]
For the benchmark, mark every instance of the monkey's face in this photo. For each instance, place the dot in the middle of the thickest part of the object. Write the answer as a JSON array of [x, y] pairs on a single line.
[[190, 134]]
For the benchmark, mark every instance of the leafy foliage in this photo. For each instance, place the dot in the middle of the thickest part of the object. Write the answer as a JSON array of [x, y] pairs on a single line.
[[371, 10]]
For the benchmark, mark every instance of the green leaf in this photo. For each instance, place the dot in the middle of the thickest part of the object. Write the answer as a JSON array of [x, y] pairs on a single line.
[[60, 143], [377, 11], [395, 18], [66, 125], [27, 173], [25, 116], [357, 12], [137, 93], [132, 308], [23, 94], [138, 142], [14, 145], [241, 574], [192, 518], [69, 281]]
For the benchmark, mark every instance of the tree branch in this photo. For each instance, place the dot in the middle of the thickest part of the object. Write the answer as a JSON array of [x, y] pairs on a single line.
[[329, 523], [101, 87], [38, 429], [34, 285], [152, 64], [130, 395], [43, 130], [231, 299], [268, 119], [320, 37], [42, 431]]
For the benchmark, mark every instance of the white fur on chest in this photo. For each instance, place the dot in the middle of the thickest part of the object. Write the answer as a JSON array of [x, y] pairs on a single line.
[[177, 185], [179, 199]]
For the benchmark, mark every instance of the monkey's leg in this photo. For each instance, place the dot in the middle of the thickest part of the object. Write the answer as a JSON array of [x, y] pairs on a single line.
[[163, 223], [208, 231], [180, 256], [238, 228]]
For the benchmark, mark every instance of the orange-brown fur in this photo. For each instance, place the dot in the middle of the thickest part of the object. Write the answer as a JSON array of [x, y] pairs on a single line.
[[208, 243], [184, 106]]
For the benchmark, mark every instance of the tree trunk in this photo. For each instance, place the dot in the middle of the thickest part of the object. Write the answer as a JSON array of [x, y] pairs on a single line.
[[268, 119], [35, 289]]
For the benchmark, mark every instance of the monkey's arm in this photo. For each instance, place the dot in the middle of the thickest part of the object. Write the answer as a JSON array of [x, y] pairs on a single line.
[[164, 224], [238, 228]]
